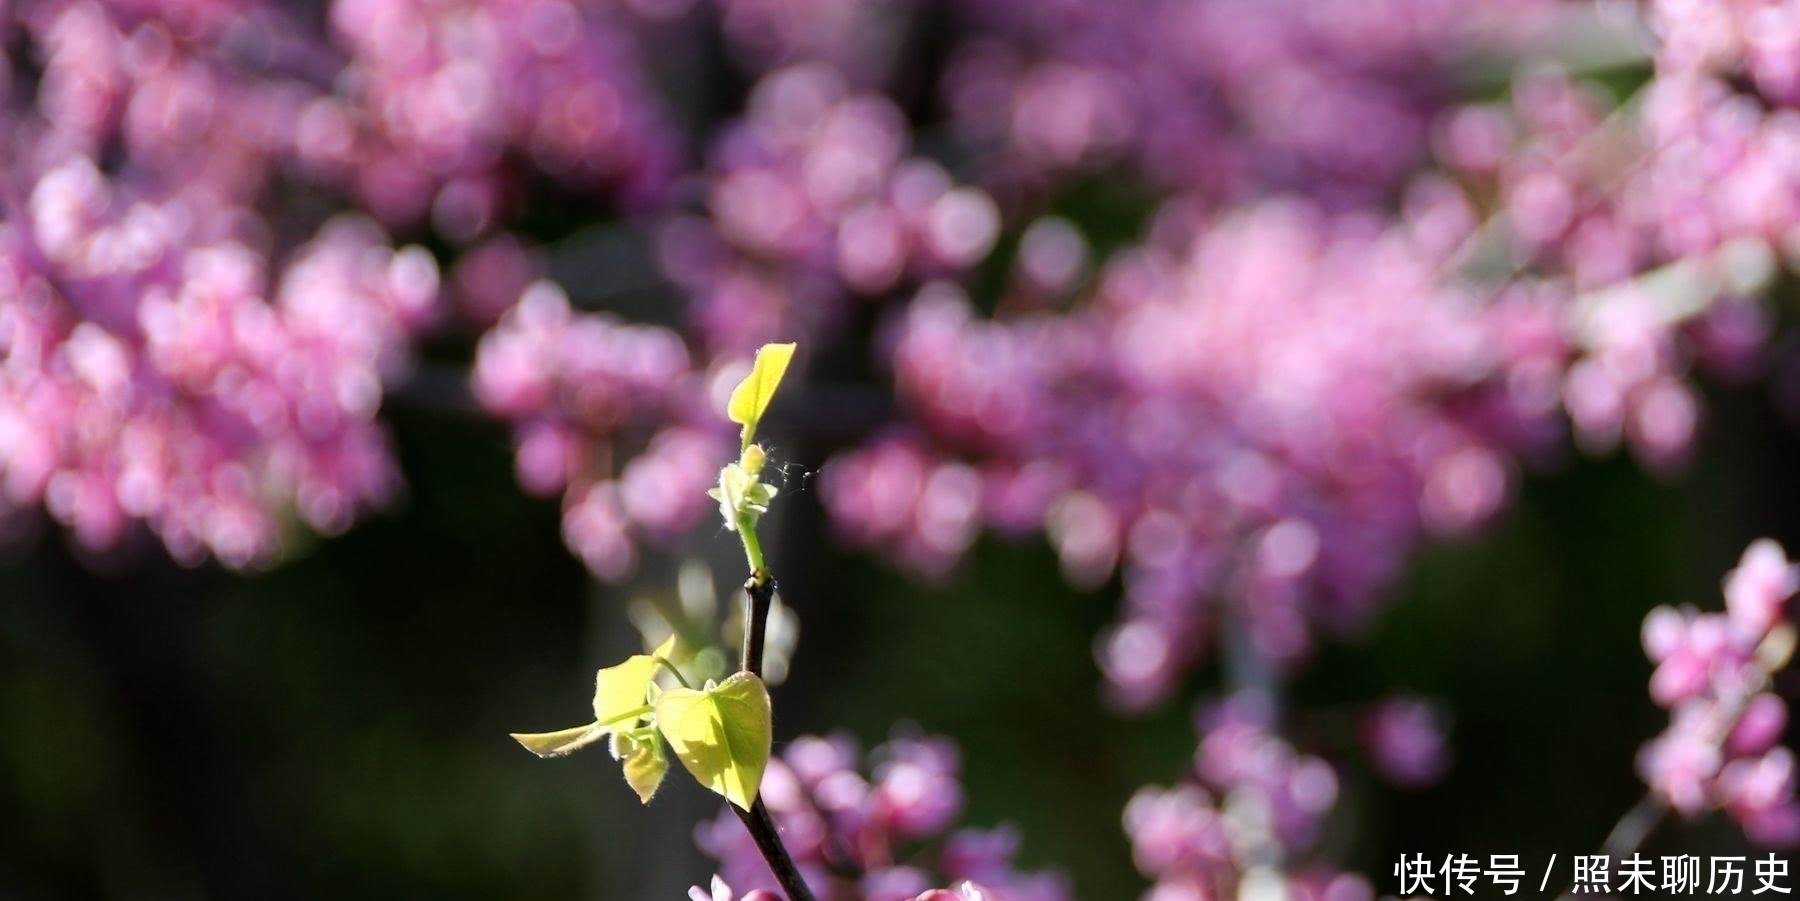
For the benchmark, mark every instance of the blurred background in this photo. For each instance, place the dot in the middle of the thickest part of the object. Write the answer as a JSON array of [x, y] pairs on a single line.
[[338, 727], [305, 513]]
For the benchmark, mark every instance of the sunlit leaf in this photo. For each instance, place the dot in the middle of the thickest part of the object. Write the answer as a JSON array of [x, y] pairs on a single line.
[[666, 650], [754, 459], [556, 744], [757, 498], [620, 704], [752, 395], [722, 735], [733, 482], [645, 767], [618, 690]]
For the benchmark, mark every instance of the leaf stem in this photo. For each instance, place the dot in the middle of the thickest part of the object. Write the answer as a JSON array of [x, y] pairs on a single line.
[[627, 715], [752, 549], [672, 671]]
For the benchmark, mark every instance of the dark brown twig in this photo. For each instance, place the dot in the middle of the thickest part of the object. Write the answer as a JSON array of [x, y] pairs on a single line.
[[759, 596]]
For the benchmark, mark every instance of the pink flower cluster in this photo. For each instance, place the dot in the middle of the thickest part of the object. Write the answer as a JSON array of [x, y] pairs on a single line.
[[171, 356], [1259, 413], [421, 108], [813, 198], [1252, 804], [1255, 417], [1597, 212], [597, 406], [152, 372], [162, 83], [880, 834], [1758, 39], [1228, 99], [1405, 739], [438, 99], [962, 891], [1723, 749], [860, 38]]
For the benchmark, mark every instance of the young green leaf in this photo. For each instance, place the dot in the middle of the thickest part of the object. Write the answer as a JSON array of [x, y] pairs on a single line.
[[722, 735], [645, 767], [758, 496], [753, 459], [664, 655], [733, 483], [752, 395], [741, 496], [620, 689], [620, 702], [557, 744]]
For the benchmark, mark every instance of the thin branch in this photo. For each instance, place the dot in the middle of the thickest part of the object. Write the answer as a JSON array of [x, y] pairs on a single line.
[[759, 596], [1628, 834], [1249, 671], [768, 841]]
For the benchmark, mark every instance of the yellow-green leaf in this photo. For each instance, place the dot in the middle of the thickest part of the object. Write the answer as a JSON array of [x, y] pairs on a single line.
[[618, 690], [556, 744], [722, 735], [620, 704], [733, 482], [645, 768], [666, 650], [752, 395], [753, 459]]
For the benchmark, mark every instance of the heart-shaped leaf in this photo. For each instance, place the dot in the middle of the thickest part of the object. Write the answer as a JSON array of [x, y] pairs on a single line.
[[722, 735], [752, 395]]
